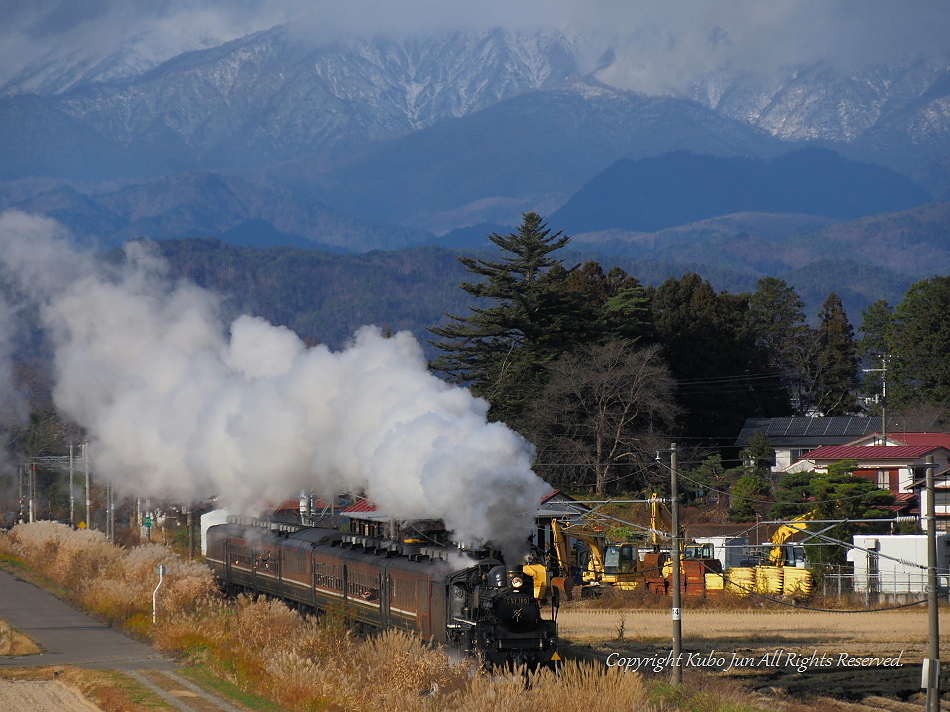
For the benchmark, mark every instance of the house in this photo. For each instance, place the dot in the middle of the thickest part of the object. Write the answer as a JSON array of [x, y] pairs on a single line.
[[895, 567], [900, 438], [791, 438], [308, 510], [900, 467], [890, 467]]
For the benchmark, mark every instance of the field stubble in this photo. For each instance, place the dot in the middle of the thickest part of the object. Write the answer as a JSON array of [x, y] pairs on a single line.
[[769, 641]]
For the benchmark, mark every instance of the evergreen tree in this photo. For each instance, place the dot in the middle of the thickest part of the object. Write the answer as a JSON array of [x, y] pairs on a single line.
[[837, 379], [618, 300], [777, 319], [709, 481], [707, 342], [524, 319], [919, 343], [877, 324]]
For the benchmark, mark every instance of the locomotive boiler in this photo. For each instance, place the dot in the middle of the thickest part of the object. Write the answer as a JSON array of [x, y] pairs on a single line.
[[478, 606]]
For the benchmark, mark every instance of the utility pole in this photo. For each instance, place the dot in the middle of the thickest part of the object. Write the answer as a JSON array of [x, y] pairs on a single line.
[[191, 531], [85, 467], [883, 371], [930, 675], [72, 494], [19, 478], [677, 603], [32, 492], [110, 512]]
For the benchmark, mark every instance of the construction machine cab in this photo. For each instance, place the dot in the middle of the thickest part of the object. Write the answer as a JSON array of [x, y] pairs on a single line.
[[621, 559], [698, 551]]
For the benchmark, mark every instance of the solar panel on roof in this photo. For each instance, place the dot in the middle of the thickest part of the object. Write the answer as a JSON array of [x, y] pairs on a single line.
[[837, 426], [782, 425]]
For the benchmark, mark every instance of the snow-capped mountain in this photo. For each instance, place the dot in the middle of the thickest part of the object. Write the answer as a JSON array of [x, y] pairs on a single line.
[[909, 103], [278, 94], [273, 95], [379, 119]]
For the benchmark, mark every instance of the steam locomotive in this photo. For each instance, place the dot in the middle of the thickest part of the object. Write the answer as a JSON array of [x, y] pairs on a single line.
[[478, 606]]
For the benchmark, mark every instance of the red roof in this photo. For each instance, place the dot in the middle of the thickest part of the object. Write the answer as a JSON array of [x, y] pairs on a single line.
[[360, 505], [870, 452], [932, 439], [903, 503], [553, 493]]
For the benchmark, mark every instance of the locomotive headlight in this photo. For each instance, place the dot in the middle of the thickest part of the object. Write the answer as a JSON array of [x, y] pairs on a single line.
[[517, 581]]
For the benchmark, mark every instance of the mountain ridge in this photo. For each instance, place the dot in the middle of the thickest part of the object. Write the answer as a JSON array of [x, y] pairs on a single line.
[[678, 188]]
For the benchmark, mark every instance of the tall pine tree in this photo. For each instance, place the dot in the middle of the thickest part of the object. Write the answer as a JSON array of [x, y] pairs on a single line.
[[523, 319], [777, 319], [837, 378]]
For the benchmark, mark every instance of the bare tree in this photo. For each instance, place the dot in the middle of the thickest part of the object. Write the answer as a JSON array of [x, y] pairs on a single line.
[[604, 412]]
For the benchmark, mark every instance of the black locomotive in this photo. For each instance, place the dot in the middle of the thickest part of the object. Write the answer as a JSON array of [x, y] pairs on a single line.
[[478, 606]]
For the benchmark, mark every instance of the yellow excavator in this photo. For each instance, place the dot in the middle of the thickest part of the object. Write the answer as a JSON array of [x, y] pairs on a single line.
[[602, 564], [783, 554], [782, 571]]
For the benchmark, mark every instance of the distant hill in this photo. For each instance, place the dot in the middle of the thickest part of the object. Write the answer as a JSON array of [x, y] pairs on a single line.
[[677, 188], [213, 205], [325, 296], [913, 242]]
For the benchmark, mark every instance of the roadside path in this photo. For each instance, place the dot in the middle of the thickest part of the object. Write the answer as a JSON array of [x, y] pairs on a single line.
[[71, 638], [67, 636]]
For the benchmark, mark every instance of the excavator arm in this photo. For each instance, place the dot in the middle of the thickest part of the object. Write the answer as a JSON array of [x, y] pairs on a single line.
[[777, 554]]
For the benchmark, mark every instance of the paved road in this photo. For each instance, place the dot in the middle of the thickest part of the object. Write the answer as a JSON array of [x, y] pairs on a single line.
[[67, 636]]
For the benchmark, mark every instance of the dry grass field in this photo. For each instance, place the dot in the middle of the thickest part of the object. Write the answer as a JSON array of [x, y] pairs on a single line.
[[69, 689], [859, 631], [788, 654]]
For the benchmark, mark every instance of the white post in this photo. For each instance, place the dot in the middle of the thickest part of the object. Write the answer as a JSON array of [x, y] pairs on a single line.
[[161, 577]]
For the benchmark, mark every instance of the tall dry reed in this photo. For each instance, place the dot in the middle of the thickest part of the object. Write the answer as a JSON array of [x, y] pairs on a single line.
[[112, 582]]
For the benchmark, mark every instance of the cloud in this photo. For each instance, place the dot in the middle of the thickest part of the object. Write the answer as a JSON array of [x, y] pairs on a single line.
[[178, 404], [658, 44], [667, 46]]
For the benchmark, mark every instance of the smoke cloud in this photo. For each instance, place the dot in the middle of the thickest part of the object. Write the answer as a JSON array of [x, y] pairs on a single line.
[[178, 405]]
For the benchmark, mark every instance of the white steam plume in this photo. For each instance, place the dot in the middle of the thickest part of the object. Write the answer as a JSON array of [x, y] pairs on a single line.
[[176, 404]]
